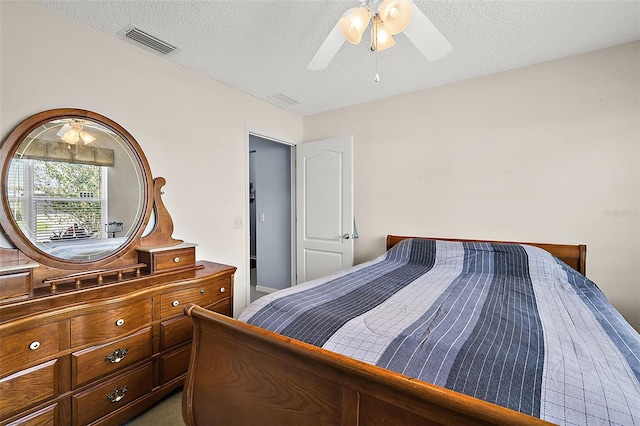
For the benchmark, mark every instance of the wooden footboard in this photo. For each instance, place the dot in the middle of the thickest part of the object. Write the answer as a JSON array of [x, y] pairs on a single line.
[[243, 375]]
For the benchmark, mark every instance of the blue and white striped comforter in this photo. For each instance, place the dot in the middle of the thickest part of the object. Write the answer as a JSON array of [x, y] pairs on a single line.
[[506, 323]]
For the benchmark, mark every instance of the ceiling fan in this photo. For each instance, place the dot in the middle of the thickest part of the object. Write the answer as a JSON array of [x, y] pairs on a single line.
[[387, 18], [74, 131]]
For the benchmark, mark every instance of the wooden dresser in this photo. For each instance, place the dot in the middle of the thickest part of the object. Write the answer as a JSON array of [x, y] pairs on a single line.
[[92, 282], [101, 355]]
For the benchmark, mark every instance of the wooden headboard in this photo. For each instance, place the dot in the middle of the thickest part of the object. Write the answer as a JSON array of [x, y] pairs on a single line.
[[573, 255]]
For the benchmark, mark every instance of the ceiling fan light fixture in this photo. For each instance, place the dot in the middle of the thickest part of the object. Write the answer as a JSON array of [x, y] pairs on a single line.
[[72, 133], [86, 137], [72, 136], [396, 15], [381, 38], [354, 23], [390, 17]]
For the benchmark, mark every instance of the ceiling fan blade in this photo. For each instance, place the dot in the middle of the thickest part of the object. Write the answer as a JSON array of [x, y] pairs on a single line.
[[426, 36], [328, 50], [64, 129]]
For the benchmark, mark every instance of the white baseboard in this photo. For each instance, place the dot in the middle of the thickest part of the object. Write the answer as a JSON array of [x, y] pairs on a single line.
[[266, 289]]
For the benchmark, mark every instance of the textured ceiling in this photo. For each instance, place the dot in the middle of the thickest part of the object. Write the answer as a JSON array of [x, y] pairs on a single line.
[[263, 47]]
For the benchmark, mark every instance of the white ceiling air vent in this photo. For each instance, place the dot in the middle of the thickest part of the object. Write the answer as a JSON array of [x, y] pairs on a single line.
[[282, 100], [146, 40]]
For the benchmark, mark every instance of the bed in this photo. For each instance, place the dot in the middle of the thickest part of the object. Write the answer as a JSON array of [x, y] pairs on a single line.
[[436, 332], [82, 248]]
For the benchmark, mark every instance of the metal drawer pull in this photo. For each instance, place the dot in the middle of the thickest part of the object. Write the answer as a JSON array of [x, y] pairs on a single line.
[[176, 259], [222, 289], [117, 394], [34, 345], [116, 356], [175, 303], [119, 322], [202, 291]]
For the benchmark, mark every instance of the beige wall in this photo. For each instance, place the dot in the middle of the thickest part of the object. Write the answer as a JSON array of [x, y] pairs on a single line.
[[192, 129], [544, 153], [547, 153]]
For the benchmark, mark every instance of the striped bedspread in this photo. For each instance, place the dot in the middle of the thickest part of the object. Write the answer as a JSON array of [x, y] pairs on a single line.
[[506, 323]]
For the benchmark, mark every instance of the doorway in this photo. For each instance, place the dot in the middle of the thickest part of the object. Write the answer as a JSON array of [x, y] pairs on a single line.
[[270, 216]]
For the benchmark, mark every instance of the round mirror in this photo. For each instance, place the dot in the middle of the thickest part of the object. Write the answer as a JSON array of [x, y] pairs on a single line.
[[76, 188]]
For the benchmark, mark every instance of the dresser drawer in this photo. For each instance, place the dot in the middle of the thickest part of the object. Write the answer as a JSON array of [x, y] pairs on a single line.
[[15, 285], [203, 295], [175, 331], [28, 388], [101, 400], [112, 322], [168, 260], [47, 416], [222, 307], [25, 348], [180, 329], [105, 359], [174, 364]]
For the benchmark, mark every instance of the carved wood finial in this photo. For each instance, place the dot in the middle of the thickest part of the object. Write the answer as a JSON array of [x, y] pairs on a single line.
[[161, 235]]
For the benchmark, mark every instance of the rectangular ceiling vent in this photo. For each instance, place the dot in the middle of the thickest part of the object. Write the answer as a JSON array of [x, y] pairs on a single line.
[[282, 100], [143, 38]]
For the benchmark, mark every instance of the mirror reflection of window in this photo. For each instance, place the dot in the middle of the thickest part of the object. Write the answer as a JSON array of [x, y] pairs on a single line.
[[67, 201]]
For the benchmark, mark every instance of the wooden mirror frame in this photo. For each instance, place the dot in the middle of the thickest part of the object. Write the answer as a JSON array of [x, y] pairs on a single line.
[[12, 230]]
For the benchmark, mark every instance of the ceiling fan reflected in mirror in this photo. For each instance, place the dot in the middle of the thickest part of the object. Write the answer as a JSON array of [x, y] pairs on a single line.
[[386, 18], [74, 131]]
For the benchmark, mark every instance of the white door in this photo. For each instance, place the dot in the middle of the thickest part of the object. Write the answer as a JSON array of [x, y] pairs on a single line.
[[324, 207]]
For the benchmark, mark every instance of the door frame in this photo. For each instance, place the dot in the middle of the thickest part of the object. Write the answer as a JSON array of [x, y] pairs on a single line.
[[251, 130]]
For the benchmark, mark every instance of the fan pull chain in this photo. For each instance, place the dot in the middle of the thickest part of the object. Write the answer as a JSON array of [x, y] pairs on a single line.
[[377, 77]]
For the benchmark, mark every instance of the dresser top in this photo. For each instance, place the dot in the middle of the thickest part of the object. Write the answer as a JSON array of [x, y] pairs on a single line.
[[166, 248], [142, 286], [16, 265]]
